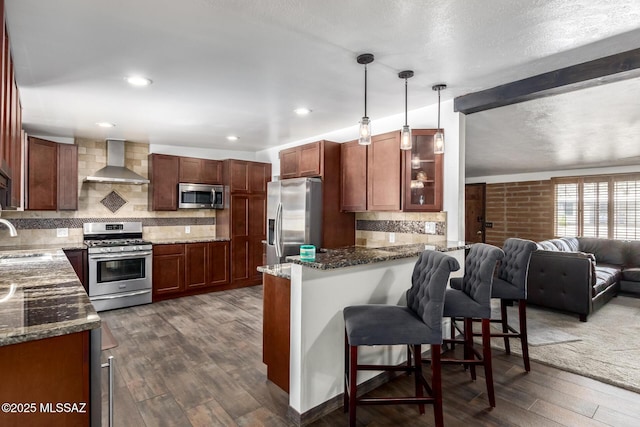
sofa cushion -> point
(606, 275)
(562, 245)
(631, 253)
(547, 245)
(631, 274)
(606, 251)
(572, 243)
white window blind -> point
(595, 204)
(566, 217)
(598, 206)
(626, 211)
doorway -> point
(474, 213)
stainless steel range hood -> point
(115, 172)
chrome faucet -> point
(12, 230)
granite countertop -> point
(358, 255)
(41, 296)
(27, 249)
(278, 270)
(179, 240)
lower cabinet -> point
(78, 260)
(275, 329)
(189, 268)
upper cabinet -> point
(303, 160)
(11, 135)
(200, 171)
(371, 174)
(52, 175)
(381, 177)
(247, 177)
(164, 172)
(422, 174)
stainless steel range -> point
(120, 264)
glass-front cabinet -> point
(422, 174)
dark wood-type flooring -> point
(197, 361)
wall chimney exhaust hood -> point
(115, 172)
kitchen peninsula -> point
(317, 293)
(49, 342)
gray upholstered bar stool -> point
(470, 297)
(420, 322)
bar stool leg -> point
(345, 401)
(522, 313)
(505, 325)
(353, 384)
(468, 345)
(436, 384)
(486, 355)
(417, 357)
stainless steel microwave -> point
(200, 196)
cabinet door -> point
(163, 189)
(195, 265)
(289, 163)
(191, 170)
(218, 263)
(383, 173)
(257, 216)
(211, 172)
(67, 177)
(238, 176)
(239, 215)
(42, 175)
(240, 259)
(168, 269)
(354, 177)
(422, 174)
(259, 175)
(311, 159)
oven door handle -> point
(121, 295)
(123, 255)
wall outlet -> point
(392, 237)
(187, 229)
(62, 232)
(430, 227)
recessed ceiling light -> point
(232, 138)
(302, 111)
(138, 81)
(106, 125)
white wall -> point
(422, 118)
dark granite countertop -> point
(358, 255)
(41, 247)
(179, 240)
(278, 270)
(41, 296)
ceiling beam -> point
(612, 68)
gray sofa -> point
(581, 274)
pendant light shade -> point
(405, 135)
(438, 138)
(365, 124)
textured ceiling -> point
(240, 67)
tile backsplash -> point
(98, 202)
(375, 228)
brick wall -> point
(519, 209)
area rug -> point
(606, 347)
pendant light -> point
(405, 135)
(438, 138)
(365, 124)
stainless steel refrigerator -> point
(294, 217)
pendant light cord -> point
(405, 102)
(365, 90)
(438, 110)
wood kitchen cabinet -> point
(164, 172)
(200, 171)
(52, 175)
(303, 160)
(371, 174)
(276, 336)
(79, 261)
(422, 174)
(322, 159)
(189, 268)
(243, 221)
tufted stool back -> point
(428, 283)
(514, 266)
(479, 267)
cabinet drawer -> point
(177, 249)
